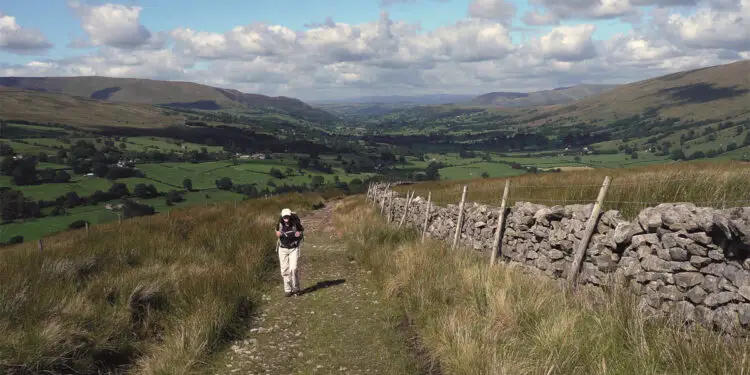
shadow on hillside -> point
(678, 75)
(322, 285)
(105, 94)
(702, 93)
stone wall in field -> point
(687, 262)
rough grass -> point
(477, 320)
(156, 295)
(711, 184)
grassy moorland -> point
(155, 295)
(477, 320)
(713, 184)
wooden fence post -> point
(406, 209)
(383, 198)
(460, 218)
(426, 215)
(40, 245)
(500, 224)
(590, 225)
(86, 224)
(390, 205)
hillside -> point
(711, 93)
(172, 93)
(18, 104)
(563, 95)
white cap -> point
(286, 212)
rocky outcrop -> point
(686, 262)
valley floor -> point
(339, 325)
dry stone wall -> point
(683, 261)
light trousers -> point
(290, 274)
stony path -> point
(338, 326)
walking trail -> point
(338, 325)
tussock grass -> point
(155, 295)
(477, 320)
(709, 184)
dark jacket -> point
(287, 238)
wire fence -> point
(629, 195)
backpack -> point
(294, 220)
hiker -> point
(290, 232)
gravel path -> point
(338, 326)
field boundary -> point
(682, 261)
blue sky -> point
(477, 45)
(59, 23)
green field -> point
(37, 228)
(473, 171)
(165, 145)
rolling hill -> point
(178, 94)
(711, 93)
(45, 107)
(563, 95)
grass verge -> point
(474, 320)
(155, 295)
(711, 184)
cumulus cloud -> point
(567, 43)
(386, 56)
(114, 25)
(499, 10)
(20, 40)
(712, 28)
(556, 10)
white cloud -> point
(499, 10)
(387, 56)
(556, 10)
(113, 25)
(20, 40)
(567, 43)
(714, 29)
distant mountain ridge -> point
(560, 95)
(404, 100)
(179, 94)
(715, 92)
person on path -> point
(290, 233)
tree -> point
(6, 149)
(42, 157)
(145, 191)
(133, 209)
(25, 172)
(119, 190)
(677, 154)
(187, 184)
(72, 200)
(303, 163)
(174, 196)
(276, 173)
(61, 176)
(224, 183)
(8, 165)
(100, 170)
(356, 186)
(317, 182)
(432, 172)
(485, 175)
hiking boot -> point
(288, 294)
(297, 293)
